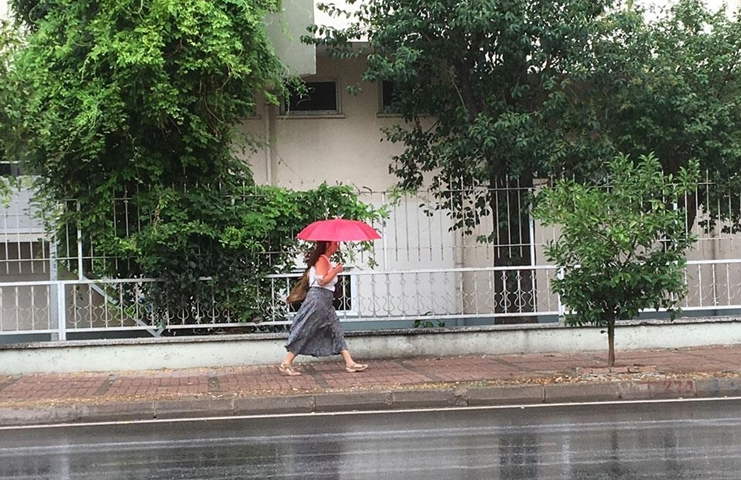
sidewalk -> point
(713, 371)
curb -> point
(367, 400)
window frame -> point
(285, 112)
(383, 109)
(10, 169)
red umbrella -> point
(338, 230)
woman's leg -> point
(286, 368)
(350, 365)
(347, 357)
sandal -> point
(288, 370)
(356, 367)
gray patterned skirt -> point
(316, 330)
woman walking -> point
(316, 330)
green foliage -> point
(233, 237)
(123, 93)
(680, 97)
(622, 242)
(480, 86)
(419, 323)
(11, 41)
(211, 248)
(490, 91)
(126, 116)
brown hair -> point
(319, 250)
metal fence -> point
(426, 274)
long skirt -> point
(316, 330)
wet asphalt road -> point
(685, 440)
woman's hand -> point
(338, 268)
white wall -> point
(324, 19)
(285, 30)
(347, 148)
(308, 150)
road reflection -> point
(518, 455)
(673, 441)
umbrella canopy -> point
(338, 230)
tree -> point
(121, 94)
(127, 120)
(478, 86)
(680, 97)
(236, 237)
(622, 242)
(492, 94)
(10, 42)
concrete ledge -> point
(109, 412)
(351, 401)
(427, 398)
(660, 389)
(664, 389)
(273, 405)
(38, 415)
(370, 400)
(505, 395)
(195, 407)
(718, 387)
(261, 349)
(582, 392)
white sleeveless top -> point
(314, 278)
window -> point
(316, 98)
(9, 169)
(386, 98)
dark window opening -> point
(315, 97)
(9, 169)
(388, 98)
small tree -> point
(622, 242)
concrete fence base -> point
(257, 349)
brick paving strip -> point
(8, 381)
(389, 383)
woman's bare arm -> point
(324, 272)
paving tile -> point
(325, 386)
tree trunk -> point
(611, 343)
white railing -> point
(427, 274)
(374, 299)
(459, 296)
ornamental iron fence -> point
(423, 272)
